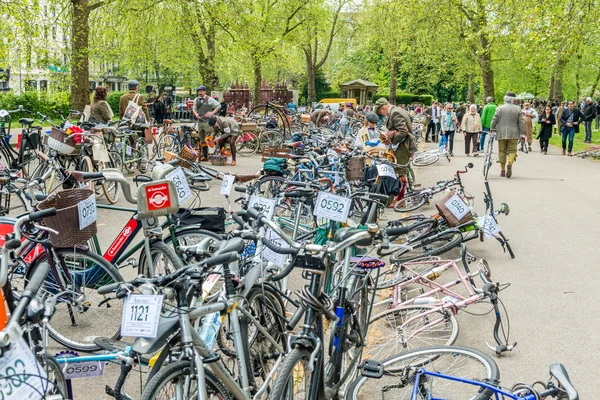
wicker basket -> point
(66, 220)
(61, 142)
(187, 154)
(305, 118)
(450, 218)
(218, 159)
(248, 127)
(354, 168)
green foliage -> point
(328, 95)
(50, 104)
(405, 98)
(113, 101)
(321, 84)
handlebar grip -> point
(142, 179)
(293, 194)
(92, 175)
(106, 289)
(222, 259)
(240, 189)
(461, 172)
(12, 244)
(397, 230)
(49, 212)
(279, 249)
(253, 213)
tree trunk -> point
(310, 77)
(485, 63)
(257, 82)
(393, 83)
(551, 88)
(558, 78)
(471, 90)
(80, 74)
(577, 80)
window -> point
(54, 33)
(43, 85)
(31, 84)
(370, 95)
(357, 94)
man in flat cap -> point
(204, 108)
(509, 126)
(133, 86)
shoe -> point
(233, 163)
(570, 154)
(545, 153)
(427, 141)
(509, 170)
(203, 159)
(564, 152)
(475, 154)
(502, 174)
(451, 154)
(529, 148)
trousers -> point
(507, 150)
(471, 137)
(568, 133)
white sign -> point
(23, 378)
(177, 176)
(488, 225)
(87, 369)
(269, 254)
(457, 206)
(267, 205)
(87, 212)
(227, 184)
(332, 207)
(128, 150)
(386, 170)
(140, 315)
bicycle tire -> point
(169, 143)
(269, 186)
(425, 159)
(189, 236)
(247, 144)
(13, 203)
(270, 139)
(296, 360)
(446, 241)
(87, 165)
(390, 332)
(98, 272)
(164, 259)
(177, 371)
(505, 242)
(419, 232)
(410, 202)
(110, 189)
(422, 358)
(53, 369)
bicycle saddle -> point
(139, 127)
(187, 127)
(227, 246)
(559, 372)
(345, 233)
(26, 121)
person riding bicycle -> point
(204, 108)
(228, 130)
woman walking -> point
(471, 126)
(547, 121)
(449, 125)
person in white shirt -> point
(529, 116)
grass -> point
(578, 145)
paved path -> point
(552, 300)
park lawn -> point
(578, 145)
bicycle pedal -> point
(371, 369)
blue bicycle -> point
(448, 372)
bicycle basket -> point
(354, 168)
(66, 220)
(447, 213)
(59, 141)
(187, 154)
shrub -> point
(406, 98)
(50, 104)
(113, 101)
(328, 95)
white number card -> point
(457, 206)
(267, 205)
(488, 225)
(87, 212)
(386, 170)
(181, 184)
(332, 206)
(227, 184)
(23, 376)
(140, 315)
(87, 369)
(128, 150)
(269, 254)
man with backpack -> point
(135, 97)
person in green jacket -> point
(486, 120)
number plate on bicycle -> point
(333, 207)
(488, 225)
(386, 170)
(87, 211)
(26, 377)
(457, 206)
(140, 315)
(267, 205)
(87, 369)
(227, 184)
(177, 176)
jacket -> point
(427, 114)
(546, 129)
(399, 121)
(508, 122)
(100, 112)
(589, 112)
(227, 127)
(487, 114)
(160, 111)
(471, 123)
(577, 117)
(444, 121)
(461, 111)
(126, 98)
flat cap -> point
(133, 84)
(382, 101)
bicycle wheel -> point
(143, 155)
(271, 139)
(410, 203)
(177, 381)
(269, 187)
(12, 201)
(247, 144)
(294, 377)
(395, 275)
(425, 159)
(56, 378)
(420, 231)
(434, 245)
(82, 314)
(459, 362)
(189, 236)
(169, 143)
(87, 165)
(110, 189)
(407, 328)
(164, 260)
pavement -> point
(553, 228)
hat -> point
(511, 94)
(132, 84)
(212, 121)
(382, 101)
(372, 118)
(201, 88)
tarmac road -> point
(553, 228)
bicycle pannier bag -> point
(209, 218)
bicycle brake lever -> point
(45, 229)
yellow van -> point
(334, 104)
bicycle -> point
(487, 164)
(24, 158)
(133, 151)
(523, 146)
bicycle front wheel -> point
(410, 203)
(164, 260)
(247, 144)
(425, 159)
(168, 143)
(429, 246)
(294, 378)
(458, 362)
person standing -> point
(160, 109)
(461, 110)
(546, 121)
(471, 126)
(597, 105)
(570, 120)
(589, 114)
(124, 100)
(528, 118)
(228, 130)
(100, 110)
(561, 108)
(169, 106)
(487, 114)
(509, 126)
(319, 117)
(428, 113)
(449, 125)
(204, 108)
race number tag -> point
(140, 315)
(86, 369)
(386, 170)
(457, 207)
(488, 225)
(25, 377)
(269, 254)
(87, 212)
(333, 207)
(227, 184)
(181, 184)
(267, 205)
(128, 150)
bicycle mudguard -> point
(167, 325)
